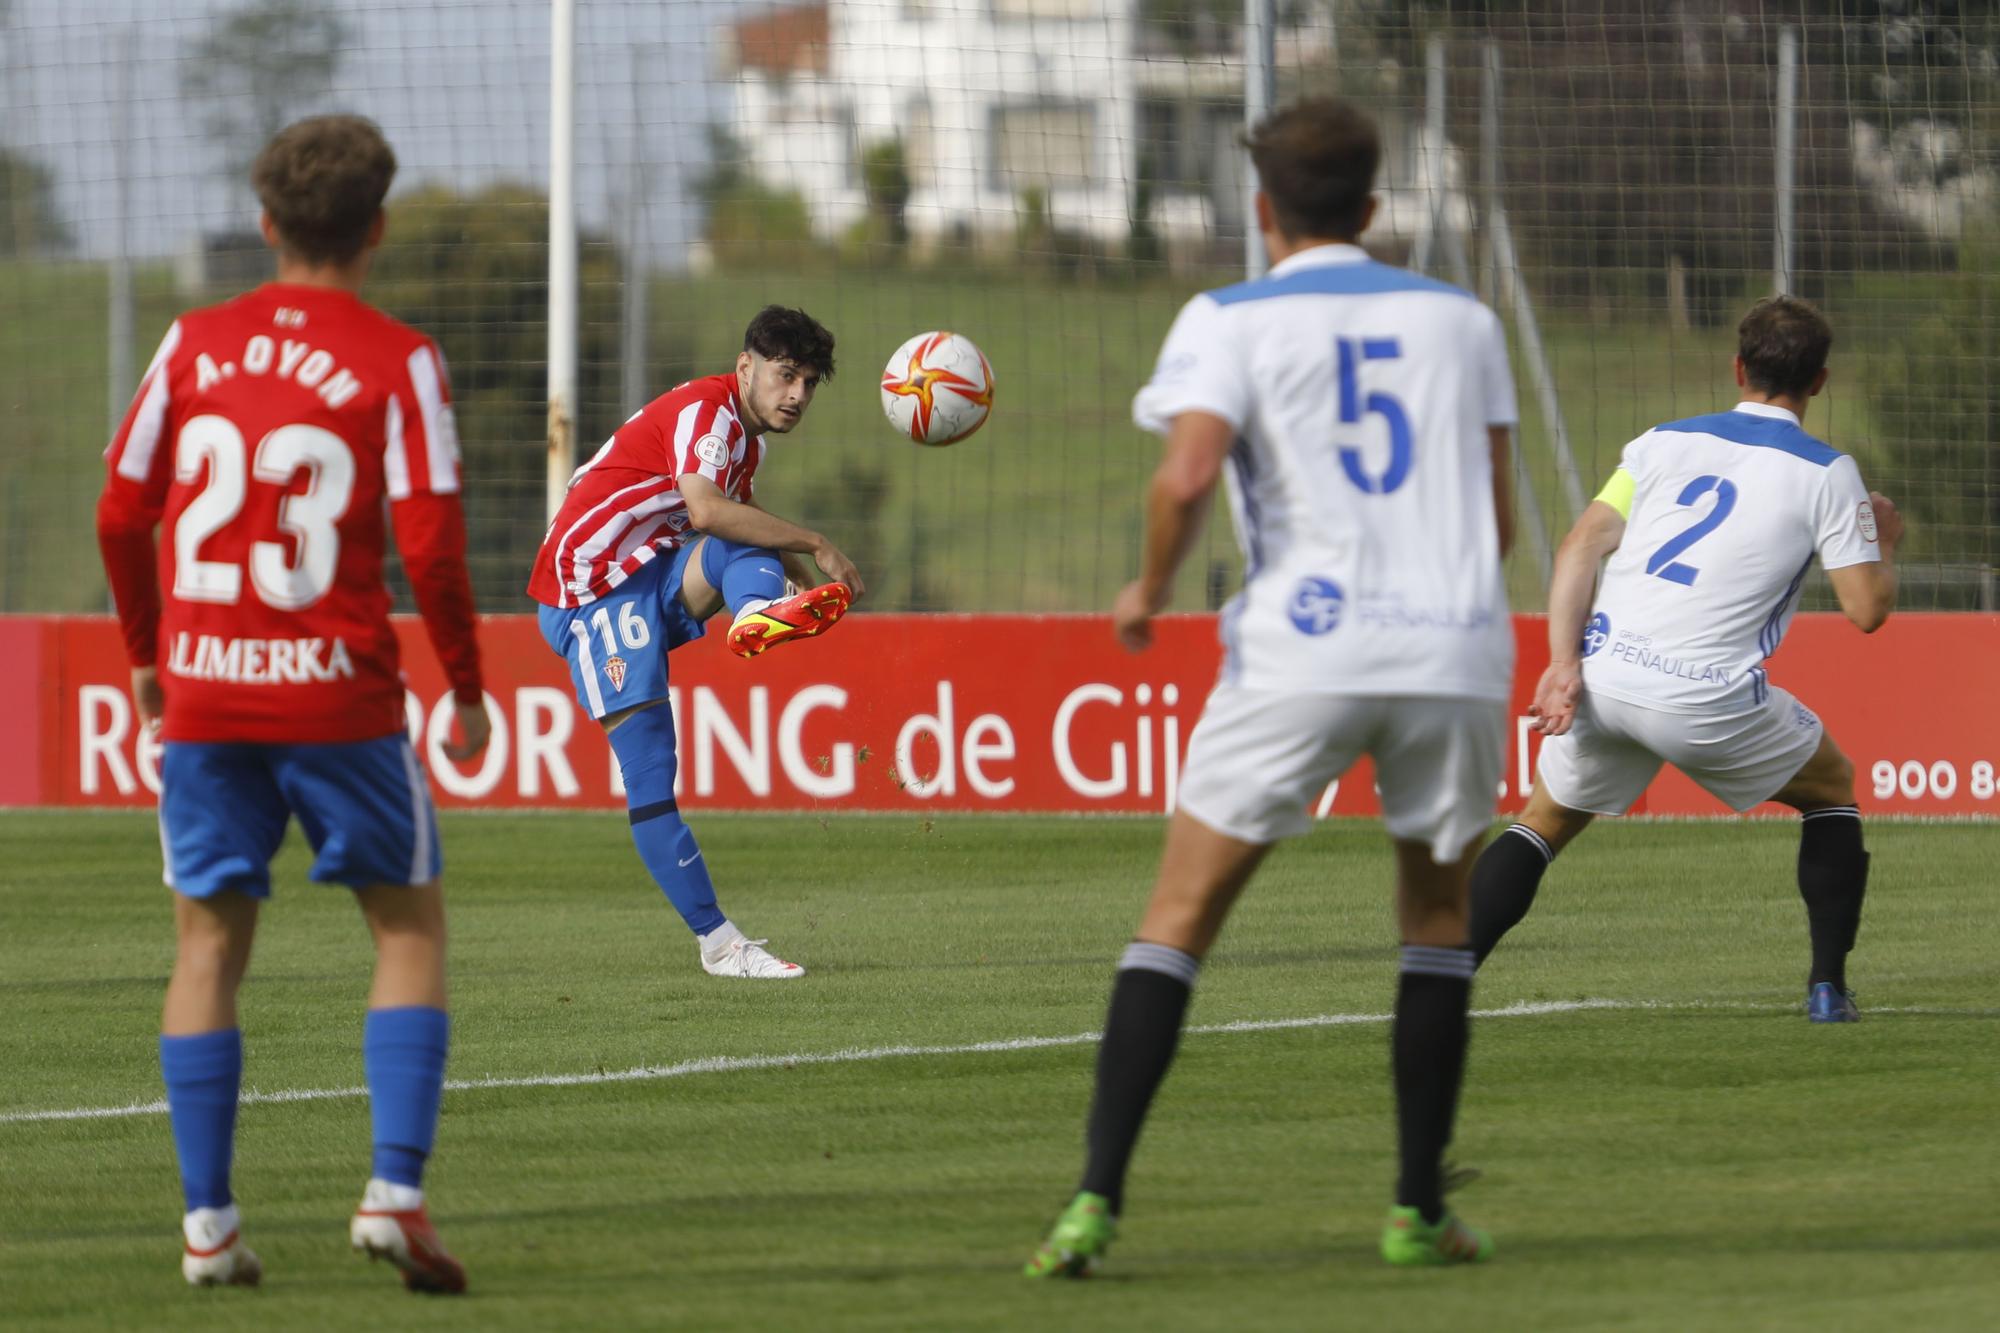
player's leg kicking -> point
(617, 648)
(366, 812)
(1603, 765)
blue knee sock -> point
(202, 1073)
(644, 744)
(403, 1051)
(743, 573)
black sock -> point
(1148, 1001)
(1504, 880)
(1833, 876)
(1427, 1054)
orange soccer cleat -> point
(799, 616)
(406, 1238)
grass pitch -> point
(1700, 1157)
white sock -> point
(386, 1196)
(207, 1228)
(716, 943)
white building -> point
(995, 102)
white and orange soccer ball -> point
(937, 388)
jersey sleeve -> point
(1845, 521)
(421, 452)
(138, 469)
(1618, 492)
(706, 440)
(1496, 377)
(1198, 371)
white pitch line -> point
(729, 1064)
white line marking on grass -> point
(733, 1064)
(729, 1064)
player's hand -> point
(839, 569)
(1556, 695)
(1888, 520)
(1132, 616)
(474, 730)
(148, 698)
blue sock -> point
(743, 573)
(403, 1051)
(644, 744)
(203, 1073)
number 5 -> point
(1353, 407)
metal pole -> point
(632, 395)
(1786, 146)
(119, 379)
(1489, 168)
(562, 251)
(1260, 93)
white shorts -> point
(1259, 758)
(1603, 763)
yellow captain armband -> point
(1618, 493)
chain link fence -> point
(1049, 177)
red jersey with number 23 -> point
(273, 441)
(625, 509)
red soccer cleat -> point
(799, 616)
(406, 1238)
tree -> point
(1635, 134)
(258, 69)
(29, 222)
(747, 222)
(472, 271)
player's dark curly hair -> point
(1316, 159)
(323, 180)
(779, 333)
(1783, 342)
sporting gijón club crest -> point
(614, 671)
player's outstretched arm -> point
(711, 511)
(1177, 504)
(1867, 591)
(1572, 586)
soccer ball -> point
(937, 388)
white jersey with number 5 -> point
(1361, 480)
(1724, 514)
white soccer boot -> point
(725, 953)
(213, 1254)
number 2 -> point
(1662, 563)
(1353, 408)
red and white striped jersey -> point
(625, 509)
(273, 440)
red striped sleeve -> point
(705, 436)
(420, 456)
(138, 470)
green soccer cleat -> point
(1081, 1236)
(1408, 1243)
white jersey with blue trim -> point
(1361, 480)
(1727, 513)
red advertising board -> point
(1019, 713)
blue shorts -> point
(365, 807)
(617, 646)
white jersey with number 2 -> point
(1361, 480)
(1724, 514)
